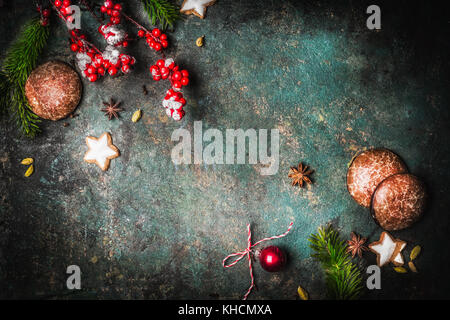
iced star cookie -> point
(197, 7)
(388, 250)
(101, 150)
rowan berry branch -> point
(84, 41)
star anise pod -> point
(356, 245)
(300, 175)
(112, 109)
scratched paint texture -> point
(148, 229)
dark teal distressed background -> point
(149, 229)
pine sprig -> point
(161, 12)
(343, 278)
(20, 60)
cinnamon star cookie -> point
(388, 250)
(197, 7)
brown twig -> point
(135, 23)
(86, 4)
(139, 26)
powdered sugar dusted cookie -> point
(101, 150)
(397, 258)
(388, 250)
(197, 7)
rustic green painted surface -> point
(149, 229)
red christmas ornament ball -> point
(272, 259)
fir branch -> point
(26, 120)
(20, 60)
(161, 12)
(343, 278)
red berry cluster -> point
(77, 42)
(155, 39)
(93, 64)
(112, 10)
(167, 69)
(174, 103)
(174, 100)
(113, 35)
(64, 10)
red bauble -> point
(272, 259)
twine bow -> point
(247, 253)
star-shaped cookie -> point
(397, 258)
(101, 150)
(197, 7)
(388, 250)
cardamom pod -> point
(199, 42)
(302, 293)
(412, 267)
(415, 252)
(27, 161)
(400, 270)
(136, 115)
(29, 171)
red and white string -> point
(247, 253)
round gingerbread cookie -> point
(368, 169)
(398, 201)
(53, 90)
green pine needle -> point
(343, 278)
(20, 60)
(161, 12)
